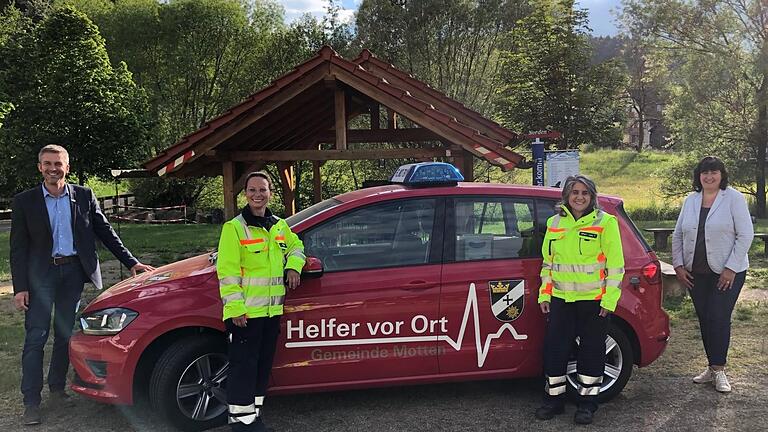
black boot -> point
(548, 411)
(583, 416)
(259, 426)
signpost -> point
(537, 148)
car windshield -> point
(311, 211)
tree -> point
(451, 45)
(720, 79)
(549, 82)
(65, 91)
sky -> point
(601, 18)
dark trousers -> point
(714, 308)
(251, 352)
(57, 291)
(566, 321)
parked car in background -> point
(427, 280)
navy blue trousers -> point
(251, 352)
(57, 291)
(565, 322)
(714, 309)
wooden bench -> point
(660, 236)
(764, 238)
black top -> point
(700, 263)
(266, 221)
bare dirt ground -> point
(660, 397)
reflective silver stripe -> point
(258, 400)
(244, 224)
(578, 286)
(264, 301)
(578, 268)
(245, 414)
(257, 301)
(614, 270)
(589, 380)
(612, 283)
(555, 221)
(589, 391)
(262, 281)
(554, 390)
(598, 218)
(230, 280)
(298, 253)
(232, 297)
(556, 379)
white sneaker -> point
(704, 377)
(721, 381)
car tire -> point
(619, 361)
(188, 381)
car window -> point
(493, 228)
(395, 233)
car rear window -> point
(623, 214)
(311, 211)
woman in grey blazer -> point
(709, 252)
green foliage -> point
(452, 45)
(65, 90)
(719, 100)
(548, 82)
(203, 193)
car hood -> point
(201, 265)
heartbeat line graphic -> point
(471, 307)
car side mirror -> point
(313, 268)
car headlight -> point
(107, 321)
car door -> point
(369, 316)
(489, 285)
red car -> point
(404, 284)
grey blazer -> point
(728, 231)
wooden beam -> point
(341, 119)
(285, 169)
(391, 119)
(375, 116)
(230, 202)
(263, 108)
(382, 135)
(409, 111)
(324, 155)
(249, 168)
(466, 165)
(317, 183)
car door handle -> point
(419, 285)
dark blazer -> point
(32, 239)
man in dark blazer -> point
(53, 253)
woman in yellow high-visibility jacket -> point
(580, 285)
(258, 257)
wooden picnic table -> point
(660, 236)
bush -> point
(654, 212)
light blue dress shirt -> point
(60, 218)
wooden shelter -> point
(312, 105)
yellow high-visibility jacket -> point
(583, 259)
(250, 265)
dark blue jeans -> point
(57, 291)
(714, 308)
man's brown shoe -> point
(32, 415)
(60, 399)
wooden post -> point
(317, 184)
(375, 120)
(391, 119)
(289, 194)
(341, 120)
(230, 203)
(463, 160)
